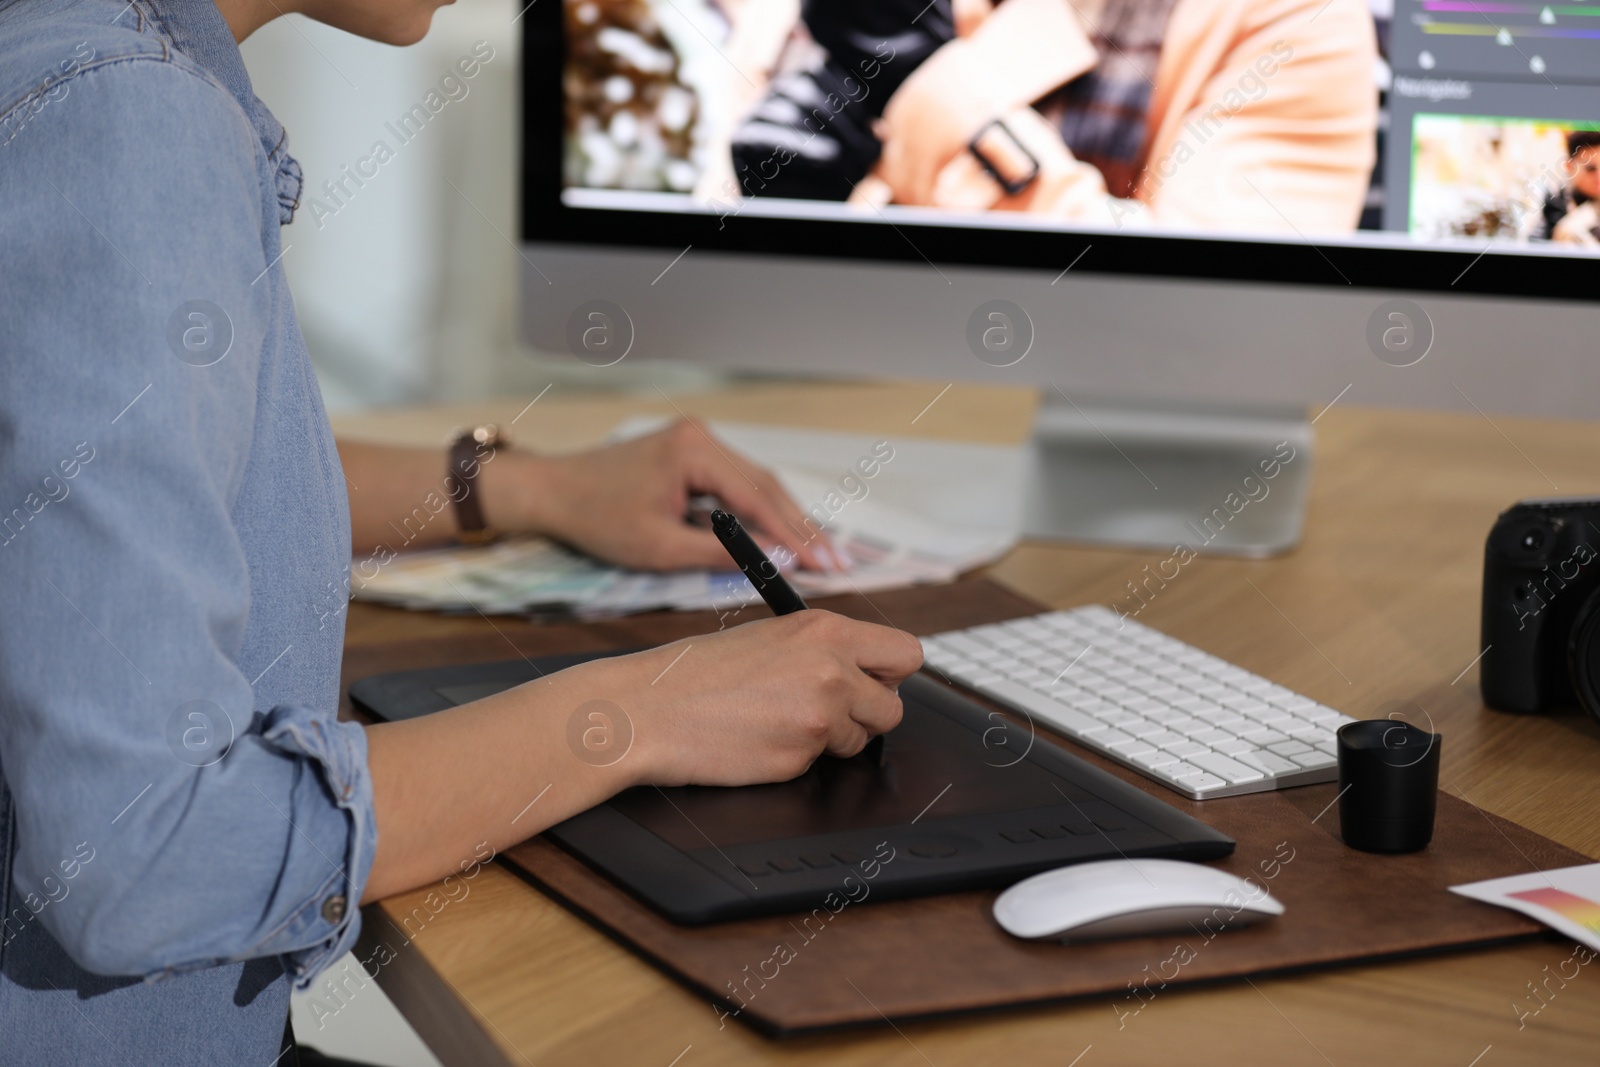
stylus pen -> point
(762, 572)
(774, 589)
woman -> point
(1252, 116)
(184, 826)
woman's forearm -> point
(497, 770)
(405, 497)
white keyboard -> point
(1195, 723)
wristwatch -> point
(465, 451)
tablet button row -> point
(755, 869)
(1077, 826)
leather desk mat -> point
(945, 955)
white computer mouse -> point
(1124, 898)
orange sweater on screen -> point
(1263, 119)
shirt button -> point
(333, 909)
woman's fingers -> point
(890, 656)
(756, 496)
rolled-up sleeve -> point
(216, 829)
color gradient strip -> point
(1581, 910)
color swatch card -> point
(1567, 899)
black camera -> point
(1541, 607)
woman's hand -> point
(625, 503)
(757, 703)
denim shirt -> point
(185, 827)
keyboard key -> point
(1051, 711)
(1234, 747)
(1262, 712)
(1154, 759)
(1313, 759)
(965, 645)
(1027, 628)
(1181, 770)
(995, 636)
(1211, 712)
(1203, 782)
(1269, 762)
(1212, 736)
(1137, 749)
(1290, 748)
(1186, 748)
(1224, 767)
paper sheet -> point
(1567, 899)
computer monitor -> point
(1193, 222)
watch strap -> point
(465, 465)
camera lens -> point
(1583, 655)
(1533, 539)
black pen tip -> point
(721, 520)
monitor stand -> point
(1220, 480)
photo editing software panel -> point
(1452, 124)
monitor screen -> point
(1332, 125)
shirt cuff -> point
(327, 924)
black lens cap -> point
(1388, 785)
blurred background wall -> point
(406, 283)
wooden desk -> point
(1379, 604)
